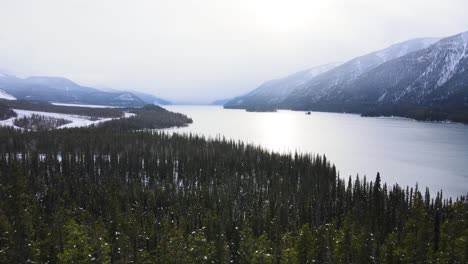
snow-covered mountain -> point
(274, 91)
(425, 79)
(62, 90)
(313, 84)
(146, 97)
(437, 75)
(149, 98)
(4, 95)
(340, 77)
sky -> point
(199, 51)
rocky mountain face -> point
(437, 75)
(317, 82)
(425, 79)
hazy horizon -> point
(200, 52)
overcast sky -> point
(204, 50)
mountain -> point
(437, 75)
(425, 79)
(336, 79)
(428, 84)
(149, 98)
(303, 88)
(4, 95)
(221, 101)
(146, 97)
(274, 91)
(61, 90)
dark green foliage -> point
(418, 112)
(38, 122)
(151, 108)
(261, 108)
(100, 196)
(71, 110)
(148, 117)
(421, 113)
(6, 112)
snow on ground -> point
(127, 115)
(77, 121)
(125, 97)
(4, 95)
(85, 105)
(8, 122)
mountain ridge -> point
(63, 90)
(428, 82)
(273, 91)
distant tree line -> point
(148, 117)
(261, 108)
(102, 196)
(418, 112)
(6, 112)
(421, 113)
(62, 109)
(39, 122)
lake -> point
(402, 150)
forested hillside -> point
(38, 122)
(72, 110)
(99, 196)
(148, 117)
(5, 111)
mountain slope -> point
(297, 92)
(146, 97)
(424, 79)
(221, 101)
(428, 84)
(437, 75)
(149, 98)
(57, 89)
(338, 78)
(274, 91)
(4, 95)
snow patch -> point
(8, 122)
(125, 97)
(4, 95)
(464, 37)
(127, 115)
(451, 62)
(381, 98)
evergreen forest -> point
(104, 195)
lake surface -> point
(402, 150)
